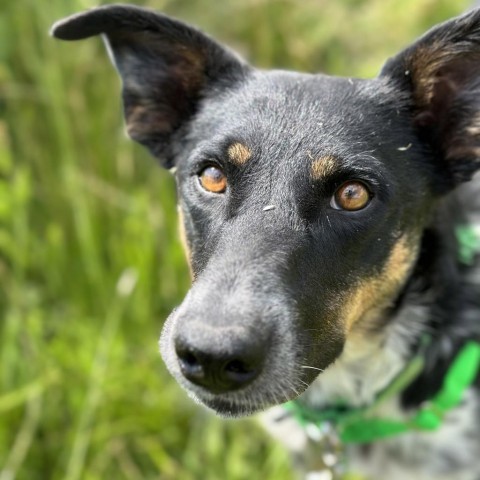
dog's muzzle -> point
(229, 357)
(238, 341)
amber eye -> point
(212, 179)
(351, 196)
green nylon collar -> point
(360, 426)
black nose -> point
(221, 365)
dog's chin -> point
(234, 405)
(227, 408)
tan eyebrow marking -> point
(323, 167)
(239, 154)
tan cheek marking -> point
(239, 154)
(183, 239)
(323, 167)
(371, 296)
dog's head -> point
(303, 198)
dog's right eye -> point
(212, 179)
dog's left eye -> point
(212, 179)
(351, 196)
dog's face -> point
(301, 222)
(303, 198)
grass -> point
(90, 262)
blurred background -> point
(90, 261)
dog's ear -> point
(166, 67)
(441, 73)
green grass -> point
(90, 262)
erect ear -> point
(441, 71)
(167, 67)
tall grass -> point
(90, 262)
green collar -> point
(359, 425)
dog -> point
(331, 227)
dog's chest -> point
(451, 453)
(365, 368)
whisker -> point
(284, 393)
(292, 387)
(313, 368)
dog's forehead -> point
(313, 119)
(292, 104)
